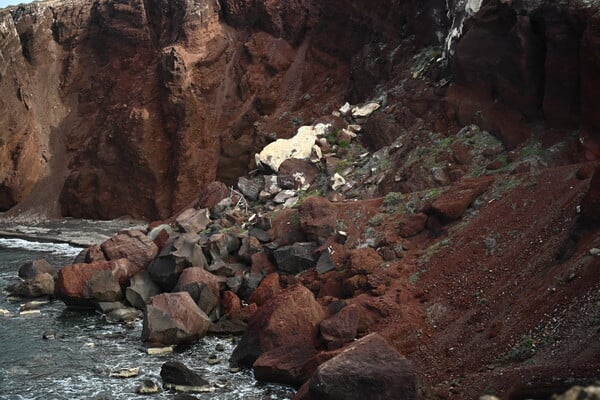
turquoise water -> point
(77, 364)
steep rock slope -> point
(129, 107)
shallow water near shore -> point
(77, 364)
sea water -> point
(77, 363)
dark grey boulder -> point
(176, 373)
(296, 257)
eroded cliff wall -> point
(129, 107)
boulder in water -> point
(84, 285)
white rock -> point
(594, 251)
(125, 373)
(30, 313)
(345, 109)
(190, 389)
(300, 146)
(156, 351)
(354, 128)
(271, 185)
(365, 111)
(337, 181)
(5, 313)
(316, 155)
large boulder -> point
(39, 285)
(35, 267)
(368, 369)
(86, 284)
(176, 375)
(133, 245)
(202, 286)
(174, 318)
(141, 288)
(300, 146)
(290, 318)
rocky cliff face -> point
(130, 107)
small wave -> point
(60, 249)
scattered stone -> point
(296, 257)
(595, 252)
(290, 318)
(49, 334)
(283, 196)
(213, 359)
(345, 109)
(5, 313)
(147, 387)
(251, 188)
(125, 373)
(355, 128)
(365, 111)
(234, 370)
(286, 182)
(158, 351)
(192, 220)
(107, 306)
(125, 315)
(30, 313)
(260, 234)
(368, 366)
(337, 181)
(174, 318)
(177, 376)
(234, 283)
